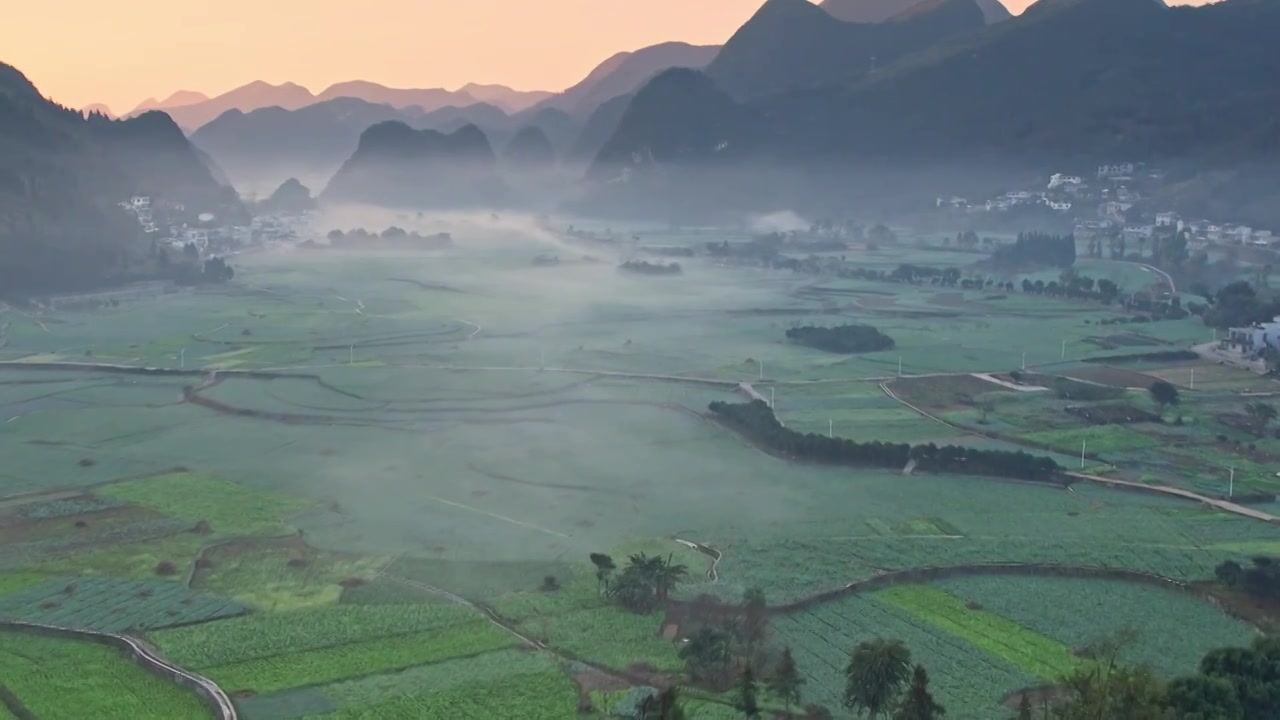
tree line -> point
(647, 268)
(841, 339)
(1033, 248)
(757, 420)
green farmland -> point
(368, 486)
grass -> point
(530, 695)
(1101, 439)
(1026, 649)
(268, 635)
(111, 605)
(491, 667)
(607, 635)
(229, 508)
(61, 678)
(278, 578)
(336, 662)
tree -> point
(707, 654)
(876, 673)
(604, 566)
(1163, 393)
(748, 702)
(755, 615)
(919, 703)
(662, 706)
(1202, 696)
(786, 681)
(1024, 707)
(1260, 413)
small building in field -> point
(1256, 337)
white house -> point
(1166, 219)
(1119, 170)
(139, 202)
(1213, 232)
(1138, 232)
(1059, 206)
(1256, 336)
(1242, 234)
(953, 202)
(1058, 179)
(198, 236)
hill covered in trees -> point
(62, 175)
(1101, 90)
(842, 339)
(397, 166)
(793, 44)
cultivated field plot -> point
(60, 678)
(111, 605)
(344, 443)
(1171, 630)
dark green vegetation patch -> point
(110, 605)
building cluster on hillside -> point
(172, 226)
(1113, 203)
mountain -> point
(792, 44)
(267, 144)
(427, 99)
(625, 72)
(559, 127)
(530, 148)
(255, 95)
(1070, 83)
(512, 101)
(100, 108)
(178, 99)
(62, 177)
(291, 198)
(395, 165)
(874, 11)
(597, 130)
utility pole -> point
(351, 355)
(899, 366)
(1064, 348)
(1024, 359)
(771, 398)
(830, 428)
(1231, 484)
(762, 370)
(1193, 378)
(182, 358)
(1082, 446)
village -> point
(1114, 206)
(173, 227)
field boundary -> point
(141, 654)
(930, 573)
(10, 700)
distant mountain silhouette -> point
(62, 175)
(1204, 95)
(255, 95)
(874, 11)
(397, 166)
(100, 108)
(625, 72)
(427, 99)
(178, 99)
(793, 44)
(292, 197)
(511, 101)
(530, 148)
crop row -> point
(62, 678)
(112, 605)
(26, 553)
(966, 679)
(485, 668)
(1038, 655)
(330, 664)
(270, 634)
(532, 695)
(67, 507)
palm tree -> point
(604, 566)
(754, 617)
(661, 572)
(786, 681)
(919, 703)
(876, 673)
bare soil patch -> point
(1123, 340)
(1116, 377)
(948, 299)
(1112, 414)
(942, 391)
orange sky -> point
(85, 51)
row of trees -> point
(1032, 248)
(648, 268)
(1261, 578)
(1238, 305)
(644, 584)
(756, 419)
(841, 339)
